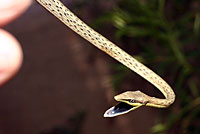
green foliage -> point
(167, 33)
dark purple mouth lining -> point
(119, 109)
(122, 107)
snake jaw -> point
(120, 109)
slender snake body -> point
(130, 100)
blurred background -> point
(65, 84)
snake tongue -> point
(119, 109)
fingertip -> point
(10, 56)
(11, 9)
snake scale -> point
(129, 100)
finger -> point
(10, 9)
(10, 56)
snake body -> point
(130, 100)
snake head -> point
(133, 98)
(129, 101)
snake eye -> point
(132, 101)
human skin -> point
(10, 50)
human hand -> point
(10, 50)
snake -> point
(129, 100)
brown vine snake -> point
(129, 100)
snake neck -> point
(162, 103)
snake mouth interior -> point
(119, 109)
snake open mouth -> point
(119, 109)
